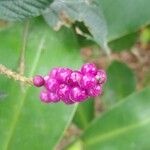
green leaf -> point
(125, 16)
(126, 126)
(146, 80)
(84, 114)
(67, 12)
(25, 122)
(121, 82)
(21, 9)
(123, 43)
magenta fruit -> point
(63, 75)
(63, 91)
(77, 94)
(38, 81)
(53, 97)
(44, 96)
(101, 76)
(95, 91)
(89, 69)
(74, 78)
(52, 85)
(63, 84)
(54, 72)
(88, 81)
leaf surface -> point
(126, 126)
(25, 122)
(14, 10)
(121, 82)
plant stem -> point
(22, 52)
(14, 75)
(23, 48)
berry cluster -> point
(64, 84)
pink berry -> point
(52, 85)
(63, 91)
(89, 68)
(54, 72)
(38, 81)
(44, 96)
(95, 91)
(53, 97)
(63, 75)
(74, 78)
(88, 81)
(77, 94)
(101, 76)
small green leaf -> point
(25, 122)
(126, 126)
(121, 82)
(84, 114)
(14, 10)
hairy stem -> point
(22, 53)
(14, 75)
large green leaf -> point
(64, 12)
(124, 16)
(121, 82)
(20, 9)
(84, 114)
(25, 122)
(126, 126)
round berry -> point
(63, 91)
(88, 81)
(63, 75)
(95, 91)
(38, 81)
(52, 85)
(44, 96)
(74, 78)
(54, 72)
(77, 94)
(89, 68)
(53, 97)
(101, 76)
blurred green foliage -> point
(25, 123)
